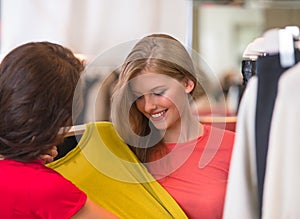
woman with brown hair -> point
(37, 85)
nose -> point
(149, 103)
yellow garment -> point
(105, 168)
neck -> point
(187, 129)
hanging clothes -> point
(282, 179)
(258, 115)
(250, 154)
(268, 71)
(104, 167)
(241, 199)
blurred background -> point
(218, 30)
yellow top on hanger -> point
(104, 167)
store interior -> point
(216, 32)
(248, 52)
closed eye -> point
(159, 93)
(137, 96)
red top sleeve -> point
(56, 197)
(31, 190)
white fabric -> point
(241, 199)
(89, 26)
(281, 196)
(282, 179)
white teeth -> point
(157, 115)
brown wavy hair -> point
(37, 84)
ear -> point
(188, 85)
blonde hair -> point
(159, 53)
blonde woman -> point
(152, 112)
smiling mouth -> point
(158, 115)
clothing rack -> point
(76, 130)
(265, 155)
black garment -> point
(248, 70)
(268, 71)
(68, 144)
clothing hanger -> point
(295, 31)
(286, 48)
(254, 49)
(261, 46)
(76, 130)
(275, 41)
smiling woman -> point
(152, 111)
(161, 99)
(152, 55)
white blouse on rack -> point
(282, 179)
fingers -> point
(53, 152)
(49, 155)
(46, 158)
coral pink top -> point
(195, 173)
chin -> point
(160, 125)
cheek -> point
(177, 99)
(168, 101)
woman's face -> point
(160, 98)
